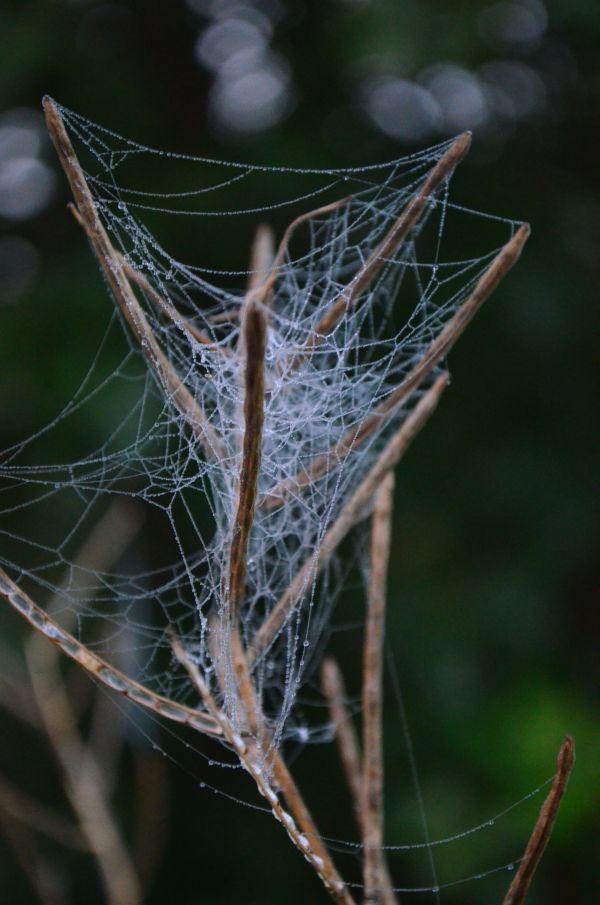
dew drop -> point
(510, 866)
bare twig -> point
(108, 675)
(372, 697)
(113, 270)
(543, 828)
(252, 759)
(332, 684)
(253, 355)
(253, 346)
(350, 514)
(435, 352)
(264, 290)
(262, 256)
(399, 231)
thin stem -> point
(543, 828)
(251, 759)
(97, 667)
(432, 356)
(254, 346)
(352, 512)
(332, 684)
(265, 289)
(253, 338)
(396, 235)
(113, 270)
(372, 696)
(262, 256)
(165, 305)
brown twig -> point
(435, 352)
(165, 305)
(543, 828)
(262, 256)
(396, 235)
(252, 759)
(114, 273)
(97, 667)
(252, 355)
(263, 291)
(372, 696)
(332, 684)
(350, 514)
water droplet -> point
(57, 486)
(306, 644)
(122, 206)
(510, 866)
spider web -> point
(151, 462)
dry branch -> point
(348, 517)
(252, 355)
(97, 667)
(300, 830)
(332, 684)
(374, 870)
(543, 828)
(432, 356)
(113, 269)
(262, 256)
(396, 235)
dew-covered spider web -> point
(170, 454)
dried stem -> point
(332, 684)
(169, 309)
(397, 234)
(165, 305)
(113, 270)
(262, 256)
(435, 352)
(264, 290)
(543, 827)
(252, 759)
(372, 696)
(108, 675)
(253, 339)
(352, 512)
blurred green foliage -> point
(492, 619)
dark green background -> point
(492, 619)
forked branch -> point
(300, 827)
